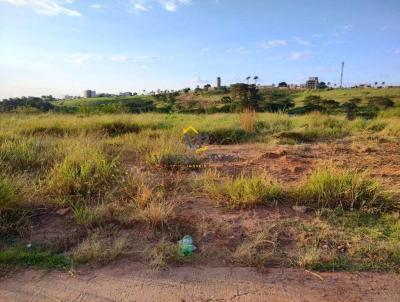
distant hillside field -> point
(211, 97)
(343, 95)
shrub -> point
(332, 188)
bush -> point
(332, 188)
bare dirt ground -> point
(134, 282)
(289, 163)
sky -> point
(63, 47)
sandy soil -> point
(125, 281)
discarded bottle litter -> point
(186, 246)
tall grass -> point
(85, 170)
(248, 120)
(333, 188)
(243, 191)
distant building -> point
(218, 82)
(125, 94)
(89, 94)
(312, 83)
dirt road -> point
(126, 281)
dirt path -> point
(133, 282)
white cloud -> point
(97, 6)
(81, 59)
(273, 43)
(140, 5)
(47, 7)
(134, 59)
(397, 51)
(296, 56)
(168, 5)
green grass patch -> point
(32, 257)
(333, 188)
(244, 191)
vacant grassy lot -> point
(307, 191)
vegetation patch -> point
(244, 192)
(85, 171)
(333, 188)
(101, 246)
(223, 136)
(24, 256)
(118, 128)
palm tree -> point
(383, 83)
(248, 79)
(255, 79)
(329, 84)
(376, 84)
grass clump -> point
(334, 188)
(163, 254)
(248, 120)
(244, 191)
(85, 171)
(115, 128)
(27, 155)
(100, 247)
(23, 256)
(8, 192)
(227, 136)
(260, 249)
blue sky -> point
(65, 46)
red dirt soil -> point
(125, 281)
